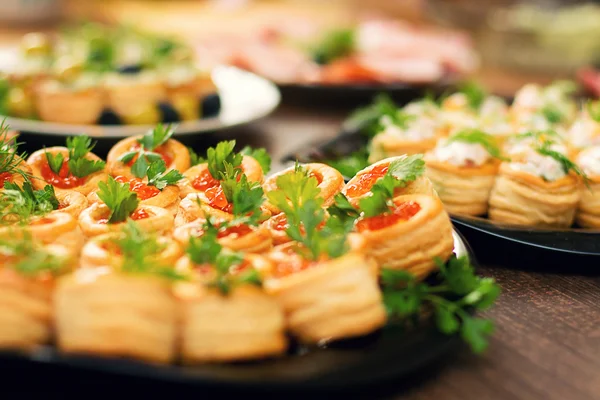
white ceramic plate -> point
(245, 97)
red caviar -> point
(64, 179)
(204, 181)
(139, 214)
(216, 199)
(403, 212)
(5, 177)
(239, 230)
(136, 185)
(365, 182)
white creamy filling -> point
(584, 132)
(528, 97)
(543, 166)
(589, 161)
(493, 107)
(421, 109)
(461, 154)
(416, 130)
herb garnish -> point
(206, 250)
(333, 45)
(368, 119)
(30, 259)
(245, 196)
(139, 250)
(545, 149)
(458, 290)
(475, 136)
(159, 177)
(79, 166)
(146, 155)
(298, 197)
(593, 109)
(20, 204)
(222, 156)
(474, 93)
(118, 198)
(10, 159)
(353, 163)
(195, 158)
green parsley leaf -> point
(220, 155)
(79, 165)
(333, 45)
(195, 159)
(156, 137)
(457, 291)
(342, 209)
(298, 197)
(159, 178)
(552, 113)
(406, 169)
(55, 161)
(260, 155)
(118, 198)
(475, 136)
(367, 119)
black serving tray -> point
(394, 352)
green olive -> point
(36, 44)
(187, 107)
(19, 104)
(143, 115)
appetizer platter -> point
(509, 170)
(187, 264)
(119, 81)
(354, 57)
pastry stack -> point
(160, 255)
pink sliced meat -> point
(411, 70)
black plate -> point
(353, 95)
(581, 242)
(393, 352)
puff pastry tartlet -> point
(26, 293)
(588, 209)
(47, 167)
(125, 153)
(463, 171)
(535, 190)
(360, 185)
(12, 166)
(329, 182)
(232, 321)
(328, 299)
(128, 94)
(115, 314)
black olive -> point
(168, 113)
(109, 117)
(210, 106)
(130, 69)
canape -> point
(79, 101)
(73, 167)
(119, 204)
(12, 166)
(128, 94)
(415, 182)
(140, 151)
(538, 187)
(27, 276)
(329, 181)
(462, 170)
(226, 316)
(588, 209)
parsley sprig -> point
(118, 198)
(139, 250)
(476, 136)
(146, 155)
(351, 164)
(30, 260)
(206, 250)
(457, 291)
(19, 204)
(159, 177)
(245, 196)
(298, 197)
(222, 156)
(79, 165)
(195, 158)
